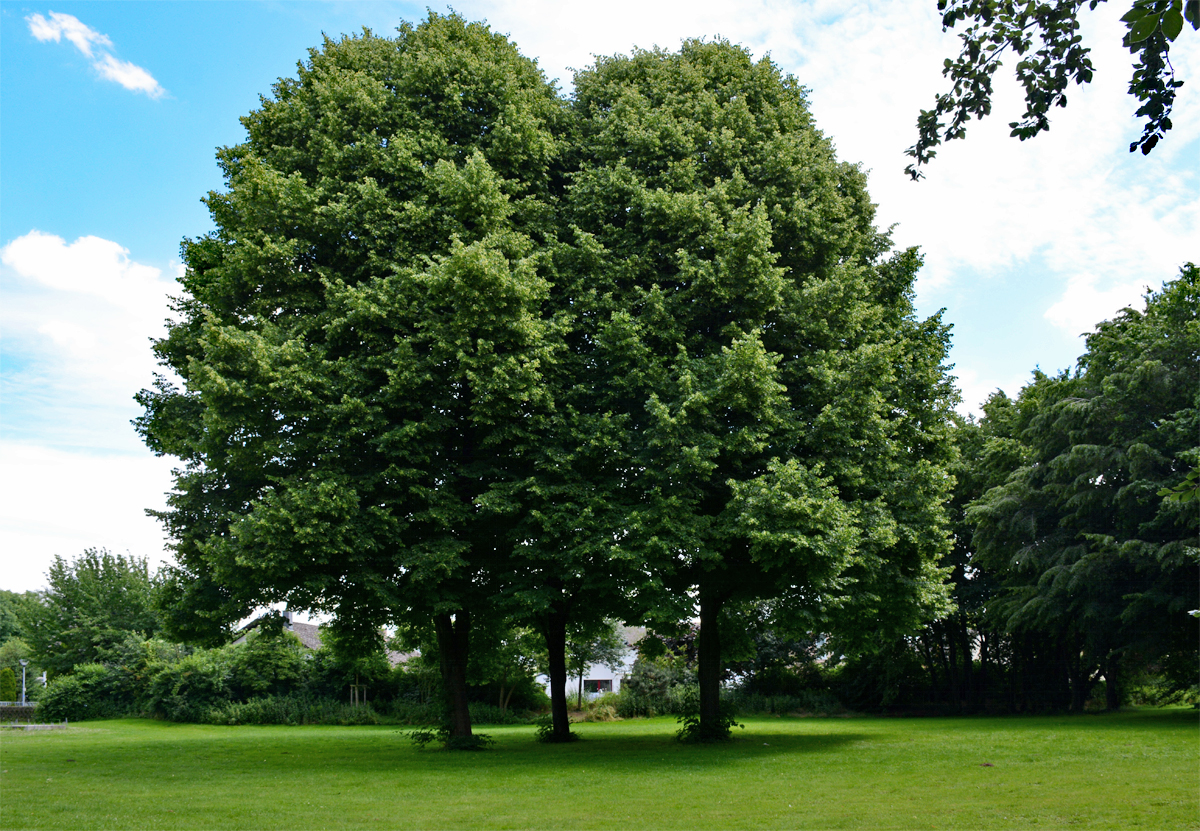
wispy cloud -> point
(68, 26)
(94, 46)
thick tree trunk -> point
(710, 668)
(453, 638)
(556, 651)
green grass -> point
(1129, 770)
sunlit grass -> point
(1130, 770)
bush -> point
(91, 691)
(291, 709)
(8, 684)
(816, 702)
(415, 712)
(890, 678)
(268, 663)
(187, 689)
(692, 730)
(482, 713)
(603, 708)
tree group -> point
(463, 352)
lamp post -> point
(24, 663)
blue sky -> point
(112, 112)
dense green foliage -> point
(463, 352)
(362, 341)
(1073, 570)
(8, 684)
(786, 413)
(90, 606)
(1044, 36)
(267, 678)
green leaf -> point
(1136, 13)
(1191, 13)
(1143, 28)
(1172, 24)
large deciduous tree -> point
(784, 413)
(362, 342)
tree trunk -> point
(955, 682)
(968, 659)
(503, 683)
(984, 678)
(930, 664)
(1112, 684)
(710, 667)
(453, 638)
(556, 651)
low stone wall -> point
(18, 712)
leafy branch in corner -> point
(1045, 37)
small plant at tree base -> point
(476, 741)
(545, 730)
(722, 731)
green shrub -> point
(290, 709)
(693, 731)
(476, 741)
(91, 691)
(816, 702)
(8, 684)
(268, 663)
(186, 689)
(414, 712)
(482, 713)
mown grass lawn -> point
(1129, 770)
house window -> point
(597, 685)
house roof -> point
(308, 633)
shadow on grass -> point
(634, 745)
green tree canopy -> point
(785, 412)
(1086, 547)
(91, 605)
(459, 350)
(362, 340)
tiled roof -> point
(309, 634)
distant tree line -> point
(1076, 558)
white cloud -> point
(68, 26)
(77, 319)
(128, 75)
(1084, 303)
(54, 502)
(90, 265)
